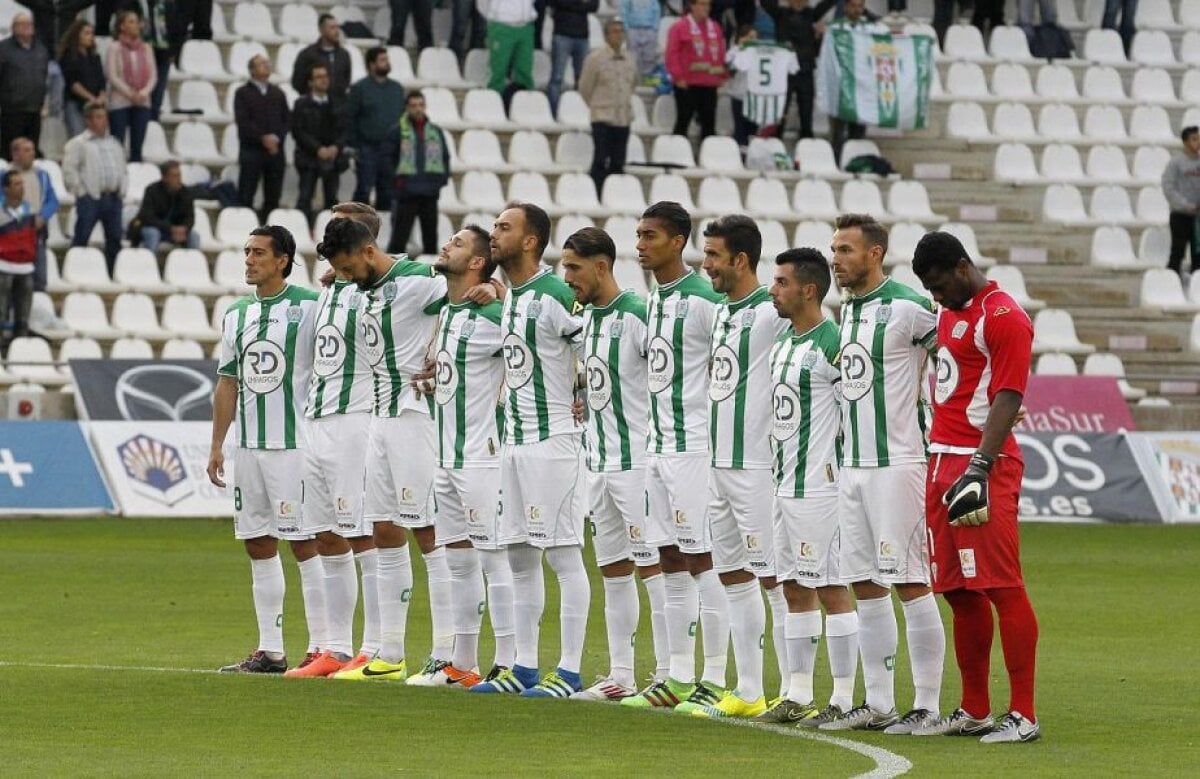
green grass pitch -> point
(88, 602)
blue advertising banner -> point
(47, 468)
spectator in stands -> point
(1048, 11)
(168, 212)
(641, 19)
(375, 105)
(18, 247)
(319, 129)
(261, 113)
(1181, 186)
(606, 83)
(24, 63)
(795, 24)
(988, 15)
(132, 75)
(695, 59)
(510, 43)
(42, 199)
(464, 14)
(422, 14)
(83, 74)
(155, 30)
(94, 172)
(570, 42)
(854, 15)
(422, 169)
(189, 19)
(327, 51)
(1127, 10)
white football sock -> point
(747, 625)
(926, 650)
(656, 593)
(368, 561)
(529, 599)
(500, 602)
(268, 588)
(466, 587)
(714, 626)
(803, 631)
(621, 614)
(682, 611)
(779, 612)
(395, 594)
(312, 586)
(575, 595)
(441, 604)
(841, 638)
(878, 637)
(341, 598)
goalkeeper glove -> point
(967, 498)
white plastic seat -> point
(196, 142)
(1154, 85)
(1063, 203)
(234, 226)
(297, 224)
(1056, 82)
(1102, 84)
(863, 197)
(1056, 364)
(640, 118)
(480, 150)
(623, 231)
(220, 307)
(475, 71)
(813, 199)
(774, 239)
(29, 359)
(1157, 15)
(1107, 164)
(529, 187)
(1010, 43)
(1189, 46)
(134, 314)
(671, 186)
(719, 195)
(484, 108)
(1013, 122)
(531, 109)
(85, 314)
(858, 148)
(966, 236)
(1162, 289)
(1012, 82)
(442, 107)
(1151, 124)
(298, 21)
(204, 230)
(137, 270)
(186, 270)
(1012, 280)
(154, 147)
(1154, 247)
(622, 194)
(673, 151)
(1014, 163)
(131, 348)
(814, 157)
(909, 200)
(84, 268)
(530, 150)
(573, 111)
(1113, 248)
(663, 113)
(1152, 206)
(182, 349)
(481, 191)
(964, 42)
(902, 241)
(576, 193)
(629, 275)
(1105, 47)
(574, 150)
(202, 59)
(1058, 122)
(197, 95)
(720, 154)
(1193, 290)
(1061, 163)
(903, 273)
(241, 52)
(1104, 123)
(253, 21)
(1105, 364)
(186, 317)
(814, 235)
(767, 197)
(1153, 48)
(965, 80)
(1054, 331)
(439, 67)
(1110, 205)
(564, 227)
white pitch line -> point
(887, 764)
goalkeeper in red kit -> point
(984, 342)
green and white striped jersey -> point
(768, 69)
(614, 361)
(468, 378)
(399, 322)
(807, 424)
(679, 321)
(267, 345)
(739, 381)
(886, 337)
(541, 326)
(341, 380)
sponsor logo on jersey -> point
(724, 373)
(1001, 310)
(660, 365)
(884, 313)
(294, 314)
(286, 508)
(599, 383)
(467, 328)
(534, 310)
(947, 376)
(748, 317)
(263, 367)
(616, 328)
(389, 291)
(809, 360)
(330, 351)
(681, 308)
(518, 361)
(959, 329)
(406, 493)
(858, 371)
(786, 414)
(680, 517)
(446, 378)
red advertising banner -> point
(1074, 404)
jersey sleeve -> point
(924, 326)
(228, 364)
(1008, 334)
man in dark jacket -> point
(319, 129)
(168, 211)
(375, 105)
(422, 14)
(261, 113)
(326, 51)
(23, 65)
(570, 41)
(422, 159)
(794, 25)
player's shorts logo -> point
(753, 542)
(660, 365)
(724, 374)
(446, 377)
(787, 415)
(372, 339)
(287, 508)
(406, 494)
(805, 550)
(330, 351)
(263, 367)
(518, 361)
(947, 376)
(858, 371)
(966, 559)
(635, 534)
(599, 383)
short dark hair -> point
(874, 233)
(9, 175)
(740, 233)
(674, 216)
(374, 53)
(1188, 132)
(809, 266)
(482, 248)
(282, 242)
(537, 221)
(315, 67)
(592, 242)
(91, 108)
(360, 212)
(937, 251)
(413, 95)
(343, 236)
(168, 166)
(324, 18)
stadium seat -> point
(629, 275)
(1056, 82)
(864, 197)
(481, 151)
(1151, 124)
(203, 228)
(635, 150)
(252, 21)
(1107, 164)
(719, 195)
(663, 113)
(1105, 364)
(1189, 46)
(1054, 331)
(186, 270)
(530, 150)
(138, 176)
(240, 53)
(1012, 280)
(1113, 248)
(964, 42)
(1162, 290)
(448, 202)
(154, 147)
(640, 121)
(814, 157)
(965, 81)
(622, 194)
(909, 200)
(134, 314)
(1152, 206)
(131, 348)
(442, 108)
(220, 307)
(1012, 82)
(1104, 47)
(1063, 203)
(182, 349)
(573, 111)
(531, 110)
(476, 66)
(1009, 43)
(1104, 123)
(564, 227)
(1061, 164)
(1056, 364)
(484, 108)
(481, 191)
(1102, 84)
(439, 67)
(576, 193)
(54, 280)
(672, 151)
(858, 148)
(541, 68)
(1193, 290)
(765, 270)
(902, 240)
(137, 270)
(298, 21)
(78, 349)
(815, 235)
(623, 231)
(966, 236)
(1154, 247)
(1194, 335)
(767, 197)
(671, 186)
(1014, 163)
(185, 317)
(1153, 48)
(903, 273)
(201, 59)
(1154, 85)
(720, 154)
(774, 238)
(1110, 205)
(573, 151)
(84, 268)
(233, 225)
(197, 95)
(813, 199)
(1058, 122)
(1157, 15)
(297, 224)
(529, 187)
(196, 143)
(1013, 122)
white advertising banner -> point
(158, 469)
(1171, 465)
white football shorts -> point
(468, 506)
(807, 540)
(740, 515)
(268, 494)
(400, 470)
(677, 491)
(881, 517)
(542, 501)
(335, 465)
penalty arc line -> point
(887, 764)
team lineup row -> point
(725, 440)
